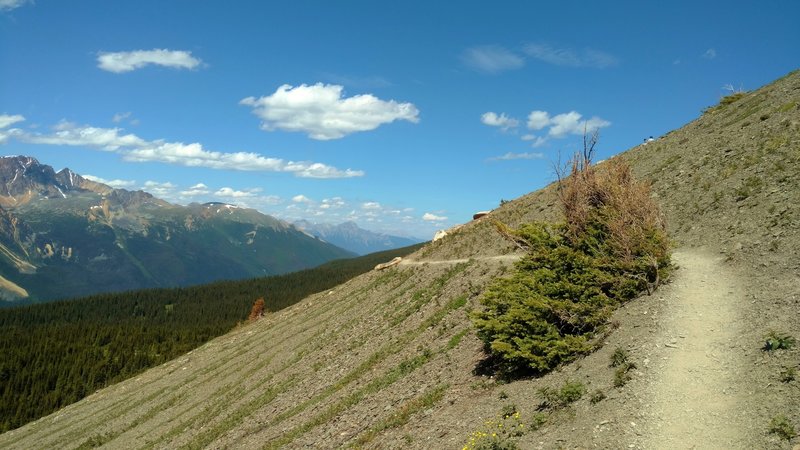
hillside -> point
(388, 359)
(64, 236)
(53, 354)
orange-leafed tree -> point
(257, 311)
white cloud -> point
(120, 62)
(193, 155)
(491, 59)
(502, 121)
(301, 199)
(321, 111)
(561, 125)
(232, 193)
(196, 191)
(118, 184)
(319, 170)
(66, 133)
(7, 120)
(557, 127)
(511, 156)
(433, 217)
(334, 203)
(136, 149)
(538, 120)
(569, 57)
(710, 54)
(159, 189)
(565, 123)
(371, 206)
(8, 5)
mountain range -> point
(350, 236)
(62, 235)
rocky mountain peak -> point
(70, 179)
(23, 178)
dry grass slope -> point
(386, 360)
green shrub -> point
(781, 426)
(611, 247)
(570, 392)
(539, 420)
(508, 411)
(778, 341)
(619, 357)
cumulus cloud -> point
(232, 193)
(196, 190)
(120, 62)
(135, 149)
(511, 156)
(562, 124)
(323, 113)
(160, 189)
(572, 123)
(491, 59)
(371, 206)
(710, 54)
(301, 199)
(538, 120)
(8, 5)
(501, 121)
(117, 184)
(557, 127)
(562, 56)
(428, 217)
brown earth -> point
(386, 360)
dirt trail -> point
(695, 392)
(500, 258)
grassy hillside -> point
(389, 359)
(54, 354)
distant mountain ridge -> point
(62, 235)
(350, 236)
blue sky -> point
(405, 117)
